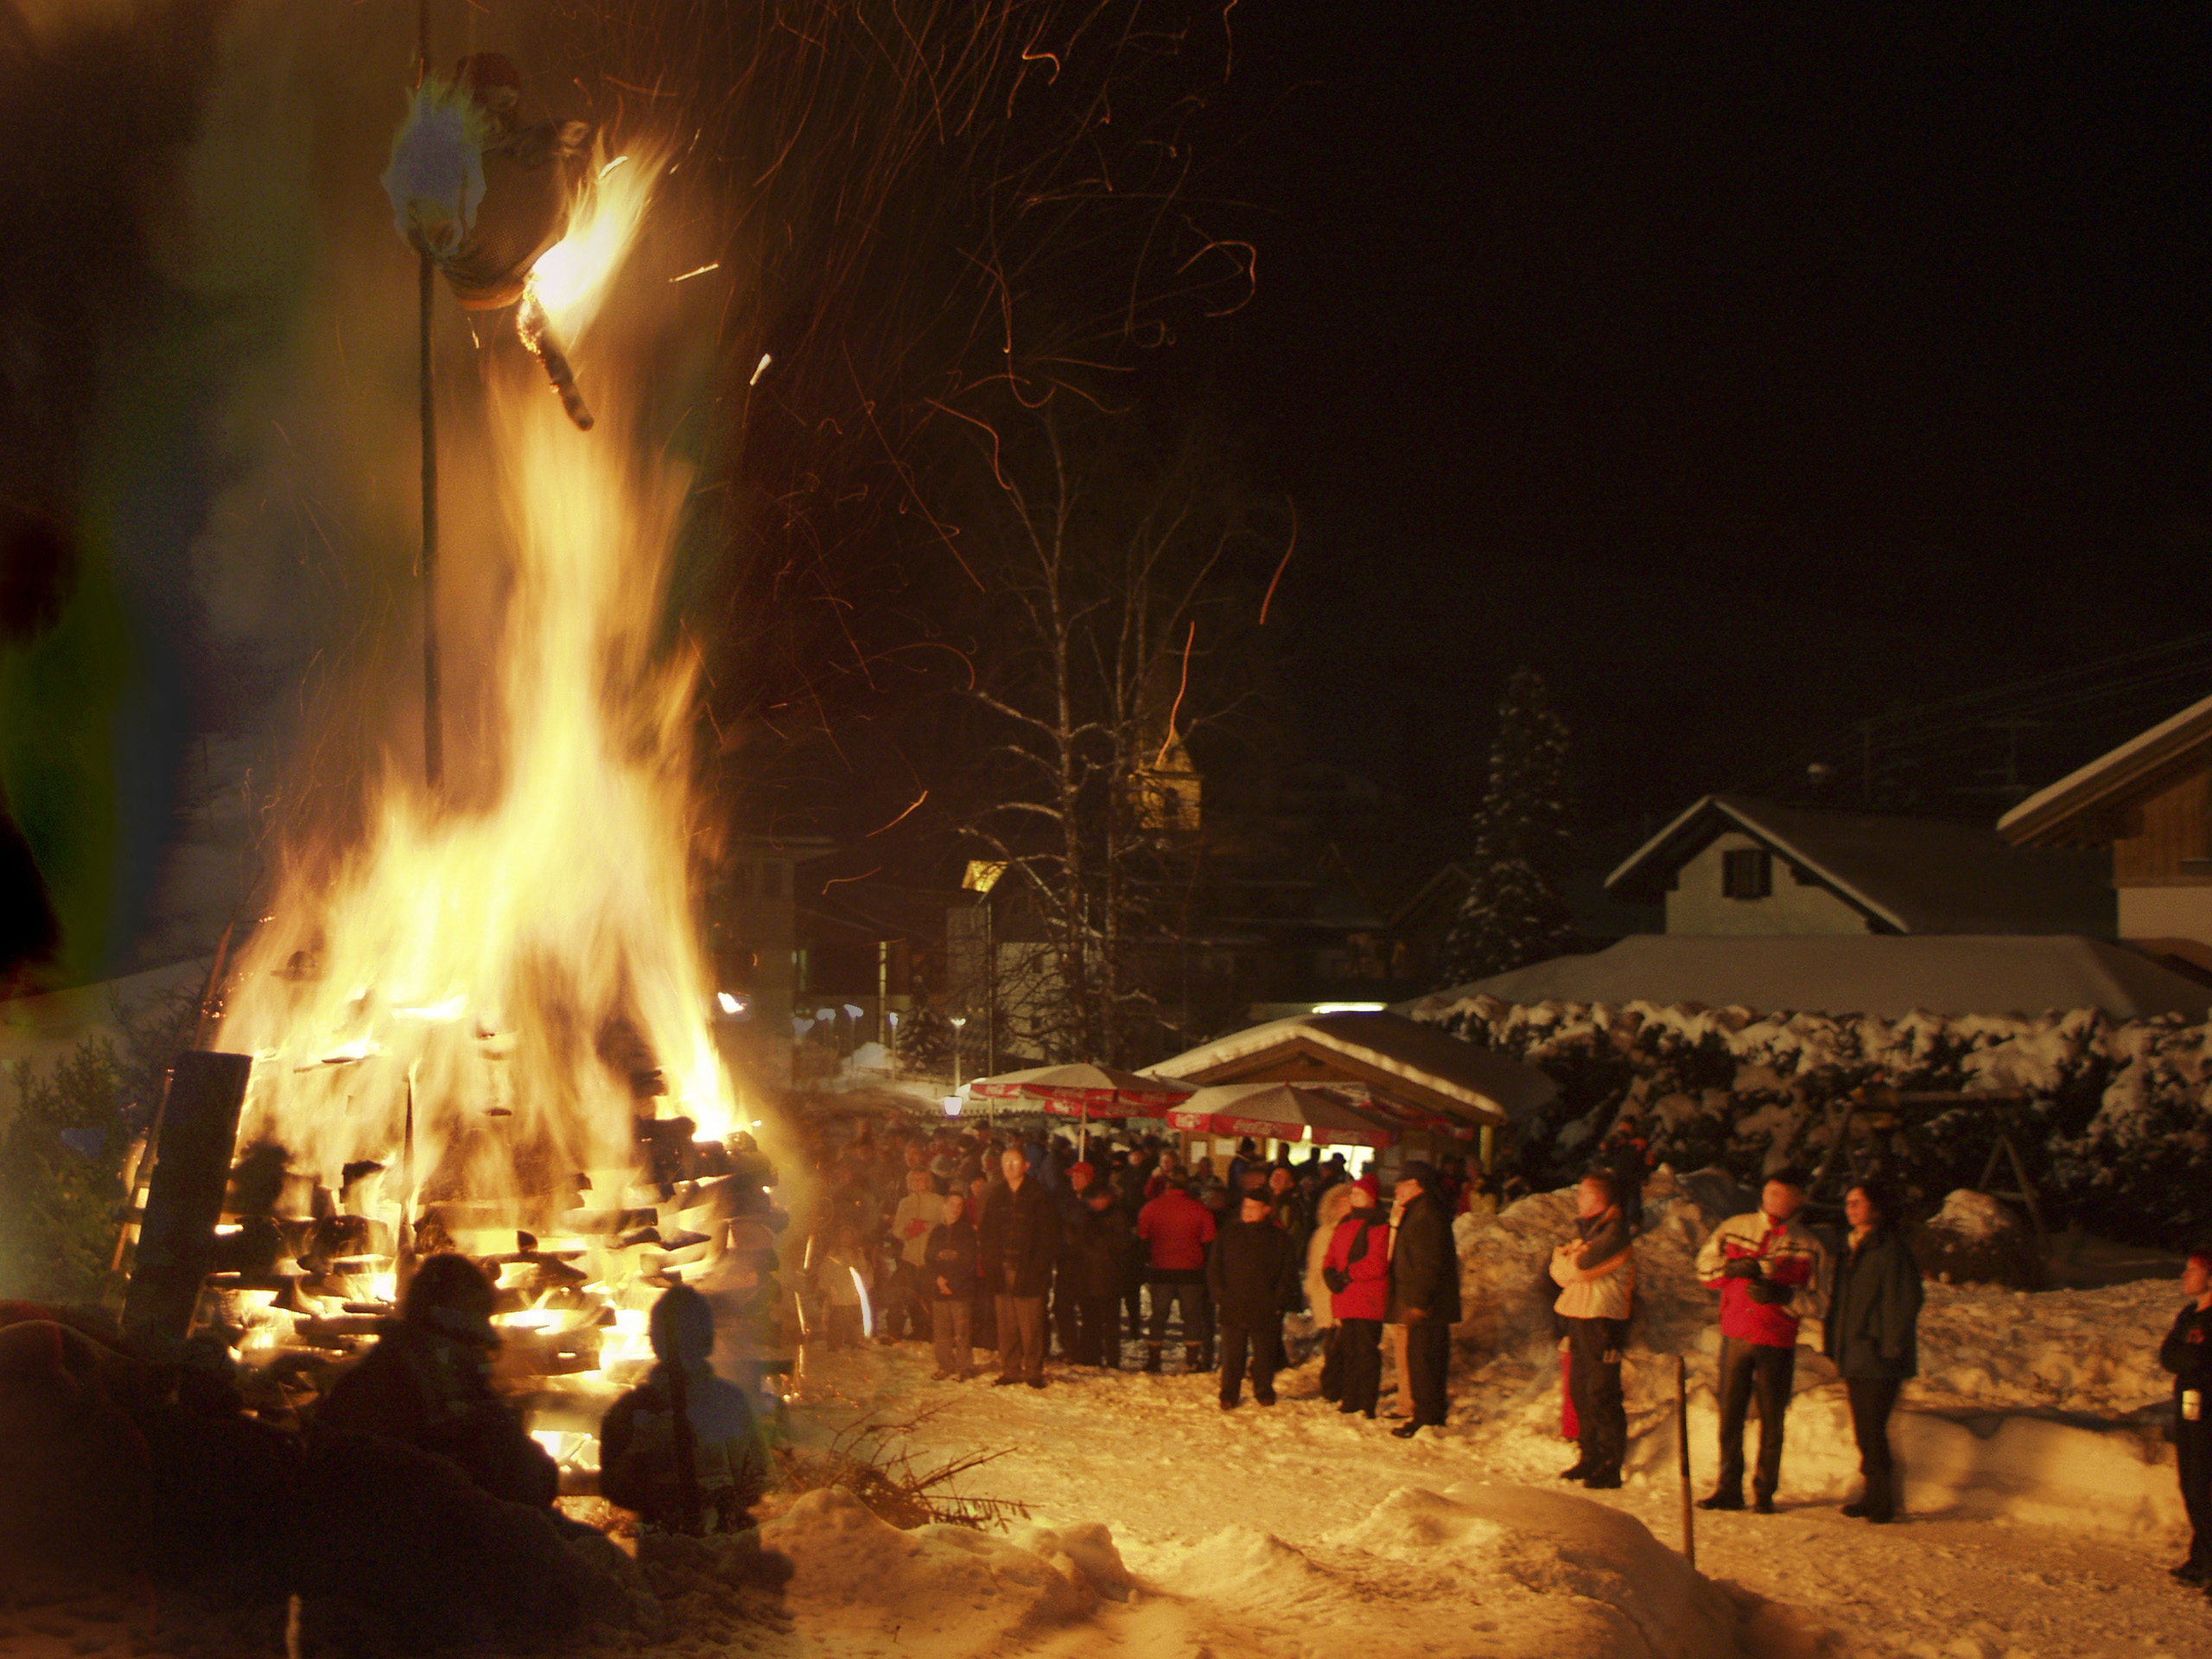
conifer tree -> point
(1514, 913)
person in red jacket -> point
(1771, 1273)
(1356, 1269)
(1176, 1230)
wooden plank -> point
(176, 1244)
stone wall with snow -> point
(2118, 1132)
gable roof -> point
(1907, 876)
(2089, 807)
(1853, 973)
(1388, 1052)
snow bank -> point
(944, 1589)
(1504, 1571)
(2119, 1130)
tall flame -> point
(523, 977)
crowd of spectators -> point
(1020, 1245)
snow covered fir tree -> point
(1514, 913)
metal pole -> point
(434, 747)
(990, 991)
(1683, 1453)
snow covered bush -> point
(2117, 1131)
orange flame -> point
(524, 976)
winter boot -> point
(1196, 1359)
(1722, 1501)
(1152, 1358)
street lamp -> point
(958, 1021)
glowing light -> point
(435, 1014)
(867, 1313)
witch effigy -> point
(481, 183)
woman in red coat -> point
(1358, 1272)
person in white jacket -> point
(1596, 1273)
(1335, 1205)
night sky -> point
(1746, 370)
(1752, 373)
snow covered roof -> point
(1889, 974)
(2088, 806)
(1907, 876)
(1388, 1052)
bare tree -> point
(1118, 576)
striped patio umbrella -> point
(1280, 1111)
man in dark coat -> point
(1020, 1237)
(951, 1265)
(427, 1382)
(1096, 1269)
(1253, 1277)
(1872, 1336)
(1424, 1292)
(1081, 1179)
(2187, 1352)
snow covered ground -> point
(2042, 1510)
(1295, 1531)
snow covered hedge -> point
(2118, 1133)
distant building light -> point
(1349, 1007)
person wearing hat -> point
(427, 1382)
(1253, 1279)
(1424, 1292)
(1356, 1270)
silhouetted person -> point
(1424, 1292)
(427, 1382)
(1873, 1339)
(640, 1456)
(2187, 1352)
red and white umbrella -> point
(1414, 1119)
(1280, 1111)
(1085, 1090)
